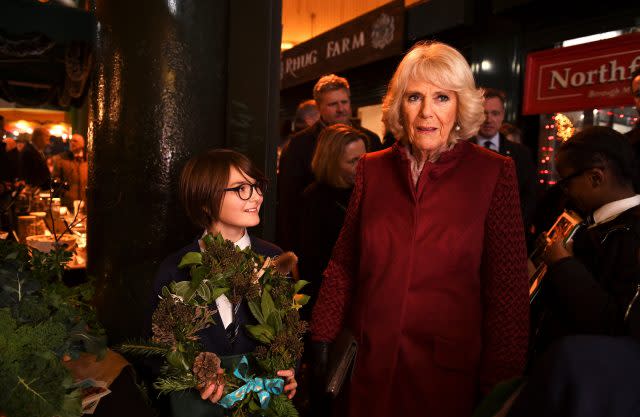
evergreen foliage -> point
(41, 321)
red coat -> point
(432, 280)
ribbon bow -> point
(264, 387)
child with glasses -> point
(593, 286)
(591, 290)
(221, 191)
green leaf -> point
(261, 332)
(205, 293)
(274, 320)
(181, 289)
(197, 274)
(207, 239)
(267, 304)
(255, 310)
(217, 291)
(299, 285)
(191, 258)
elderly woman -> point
(429, 272)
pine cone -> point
(205, 368)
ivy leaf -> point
(299, 285)
(255, 310)
(205, 293)
(191, 258)
(181, 289)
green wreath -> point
(274, 299)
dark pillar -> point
(159, 96)
(254, 92)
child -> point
(594, 290)
(591, 290)
(222, 192)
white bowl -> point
(44, 243)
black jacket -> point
(634, 138)
(591, 292)
(323, 208)
(33, 168)
(295, 175)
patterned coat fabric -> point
(432, 281)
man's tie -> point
(487, 144)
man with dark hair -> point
(490, 137)
(332, 95)
(307, 114)
(33, 165)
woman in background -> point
(325, 201)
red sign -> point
(592, 75)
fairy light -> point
(565, 127)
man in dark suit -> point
(490, 137)
(332, 96)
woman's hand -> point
(214, 389)
(555, 251)
(290, 379)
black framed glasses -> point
(564, 183)
(245, 191)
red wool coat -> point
(431, 280)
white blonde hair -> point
(442, 66)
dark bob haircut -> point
(599, 146)
(204, 179)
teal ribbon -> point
(263, 387)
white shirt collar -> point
(244, 242)
(611, 210)
(495, 141)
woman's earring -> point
(457, 127)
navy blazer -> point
(213, 338)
